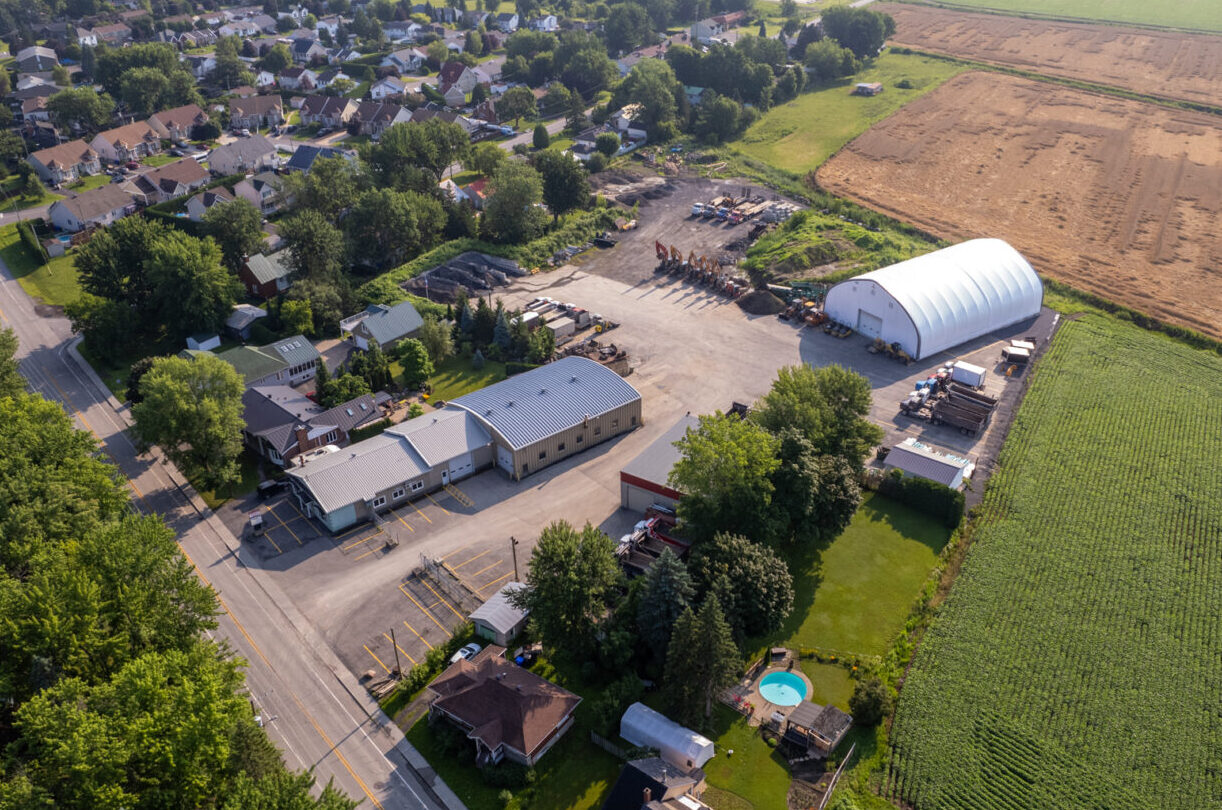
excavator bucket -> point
(691, 257)
(676, 254)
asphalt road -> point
(312, 706)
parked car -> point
(270, 487)
(177, 152)
(244, 132)
(133, 165)
(468, 652)
(290, 129)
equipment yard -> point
(1157, 63)
(1117, 197)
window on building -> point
(598, 430)
(560, 449)
(330, 437)
(378, 501)
(417, 486)
(398, 493)
(633, 420)
(542, 454)
(614, 424)
(581, 439)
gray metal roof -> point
(655, 461)
(498, 613)
(925, 463)
(393, 323)
(244, 315)
(268, 268)
(544, 401)
(442, 435)
(294, 350)
(360, 471)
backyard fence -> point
(608, 746)
(836, 777)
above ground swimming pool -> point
(782, 689)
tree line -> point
(112, 695)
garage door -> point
(461, 467)
(869, 325)
(504, 459)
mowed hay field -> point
(1118, 197)
(1156, 63)
(1202, 15)
(1075, 663)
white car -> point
(468, 652)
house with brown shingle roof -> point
(65, 163)
(509, 712)
(130, 142)
(99, 206)
(169, 181)
(255, 112)
(330, 111)
(199, 205)
(176, 124)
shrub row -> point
(926, 496)
(362, 433)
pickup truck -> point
(698, 210)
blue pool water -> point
(783, 689)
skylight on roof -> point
(349, 412)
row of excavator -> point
(703, 270)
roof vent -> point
(542, 390)
(488, 412)
(509, 404)
(574, 379)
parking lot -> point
(689, 351)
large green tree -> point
(516, 102)
(237, 228)
(193, 410)
(565, 182)
(701, 661)
(627, 27)
(192, 292)
(512, 213)
(143, 89)
(752, 582)
(572, 578)
(417, 365)
(860, 30)
(816, 495)
(82, 108)
(415, 157)
(437, 337)
(11, 381)
(828, 405)
(666, 593)
(386, 228)
(330, 188)
(724, 471)
(111, 264)
(652, 84)
(316, 247)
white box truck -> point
(967, 374)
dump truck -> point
(968, 422)
(964, 391)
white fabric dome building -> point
(941, 299)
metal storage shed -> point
(941, 299)
(679, 746)
(644, 480)
(497, 620)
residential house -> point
(817, 729)
(304, 156)
(547, 22)
(18, 98)
(655, 784)
(256, 112)
(401, 30)
(330, 76)
(65, 163)
(201, 38)
(266, 23)
(456, 74)
(453, 96)
(264, 78)
(498, 620)
(474, 18)
(86, 36)
(422, 114)
(346, 54)
(42, 134)
(625, 121)
(27, 80)
(244, 91)
(240, 28)
(913, 458)
(129, 142)
(36, 59)
(243, 317)
(34, 109)
(447, 15)
(262, 191)
(476, 193)
(387, 88)
(376, 116)
(100, 206)
(382, 325)
(330, 24)
(695, 95)
(176, 124)
(169, 181)
(406, 60)
(201, 66)
(506, 21)
(205, 201)
(329, 111)
(289, 361)
(265, 276)
(113, 35)
(585, 142)
(306, 50)
(297, 78)
(245, 155)
(281, 423)
(704, 31)
(510, 712)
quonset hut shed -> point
(679, 746)
(941, 299)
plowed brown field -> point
(1157, 63)
(1118, 197)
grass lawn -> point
(248, 467)
(357, 140)
(455, 377)
(89, 183)
(463, 178)
(14, 202)
(54, 283)
(800, 135)
(857, 596)
(832, 683)
(359, 90)
(754, 774)
(158, 160)
(307, 132)
(560, 144)
(1197, 14)
(293, 118)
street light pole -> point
(513, 546)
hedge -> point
(369, 431)
(514, 367)
(168, 211)
(924, 495)
(26, 230)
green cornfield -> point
(1077, 662)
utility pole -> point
(395, 644)
(513, 546)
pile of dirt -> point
(760, 302)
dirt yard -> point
(1117, 197)
(1157, 63)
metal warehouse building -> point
(644, 481)
(521, 425)
(939, 300)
